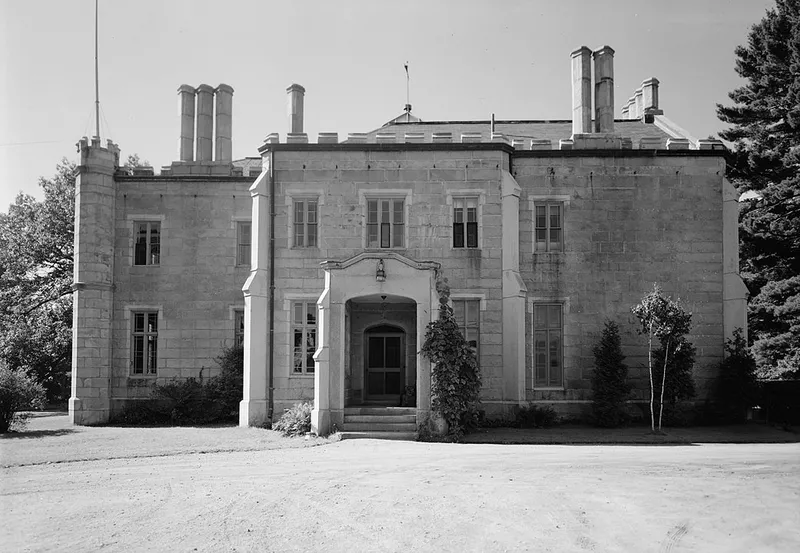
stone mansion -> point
(322, 257)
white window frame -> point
(289, 299)
(564, 303)
(458, 194)
(293, 195)
(130, 311)
(563, 201)
(364, 196)
(132, 220)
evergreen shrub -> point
(18, 392)
(737, 386)
(610, 379)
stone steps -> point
(381, 423)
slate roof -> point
(550, 130)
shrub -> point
(18, 392)
(534, 416)
(227, 387)
(140, 413)
(187, 401)
(609, 379)
(295, 421)
(737, 386)
(455, 375)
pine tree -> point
(609, 379)
(765, 131)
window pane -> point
(311, 313)
(393, 353)
(385, 207)
(299, 351)
(458, 235)
(555, 216)
(138, 354)
(140, 247)
(555, 239)
(311, 240)
(312, 211)
(299, 212)
(397, 238)
(541, 216)
(298, 313)
(540, 357)
(152, 348)
(554, 316)
(299, 231)
(138, 322)
(372, 235)
(398, 212)
(152, 322)
(473, 308)
(245, 233)
(311, 347)
(372, 211)
(458, 311)
(375, 358)
(458, 215)
(555, 359)
(539, 317)
(385, 230)
(541, 236)
(472, 235)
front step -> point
(381, 423)
(408, 436)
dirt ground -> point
(367, 495)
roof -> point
(554, 131)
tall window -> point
(304, 335)
(244, 241)
(147, 243)
(467, 314)
(144, 341)
(549, 227)
(305, 223)
(385, 223)
(238, 327)
(465, 222)
(548, 333)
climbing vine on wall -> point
(455, 374)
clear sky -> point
(468, 59)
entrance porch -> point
(373, 314)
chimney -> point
(295, 108)
(223, 126)
(581, 91)
(604, 90)
(205, 122)
(650, 97)
(639, 102)
(186, 112)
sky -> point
(467, 59)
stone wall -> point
(629, 222)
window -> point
(147, 243)
(385, 223)
(465, 222)
(244, 241)
(467, 314)
(548, 332)
(304, 336)
(549, 227)
(238, 327)
(305, 223)
(144, 341)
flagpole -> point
(96, 76)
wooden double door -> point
(385, 366)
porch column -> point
(514, 295)
(321, 414)
(253, 407)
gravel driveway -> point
(370, 495)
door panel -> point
(384, 365)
